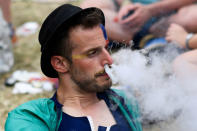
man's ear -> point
(60, 64)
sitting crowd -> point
(167, 21)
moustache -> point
(100, 73)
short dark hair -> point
(86, 21)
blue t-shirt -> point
(71, 123)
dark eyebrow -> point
(95, 48)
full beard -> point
(88, 84)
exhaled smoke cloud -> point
(162, 97)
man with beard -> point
(73, 45)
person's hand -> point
(177, 34)
(137, 19)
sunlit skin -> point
(85, 56)
(89, 55)
(93, 55)
(85, 75)
(80, 80)
(106, 46)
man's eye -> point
(92, 53)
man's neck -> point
(69, 96)
(78, 104)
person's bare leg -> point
(5, 6)
(115, 31)
(185, 17)
(102, 4)
(185, 65)
(185, 68)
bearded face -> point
(97, 82)
(89, 56)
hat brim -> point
(46, 66)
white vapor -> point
(162, 97)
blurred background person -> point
(178, 35)
(184, 65)
(5, 6)
(6, 34)
(145, 17)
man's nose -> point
(107, 59)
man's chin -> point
(104, 88)
(106, 85)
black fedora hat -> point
(56, 20)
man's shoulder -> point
(33, 106)
(32, 113)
